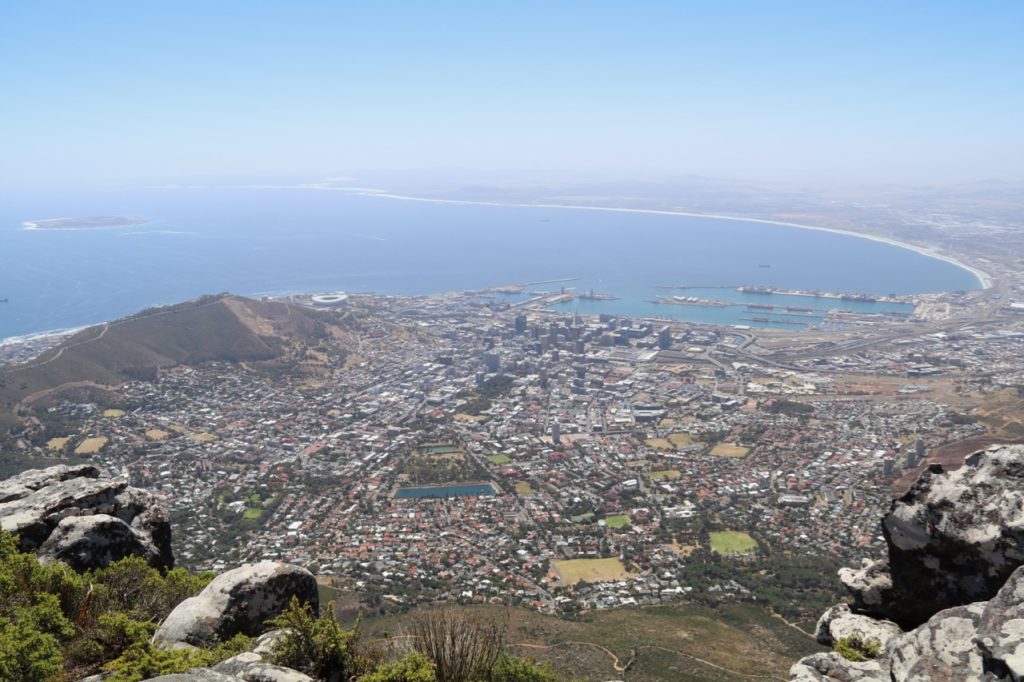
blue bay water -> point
(274, 241)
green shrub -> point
(413, 668)
(54, 620)
(142, 659)
(510, 668)
(27, 654)
(318, 647)
(856, 648)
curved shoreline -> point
(984, 279)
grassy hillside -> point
(227, 328)
(679, 642)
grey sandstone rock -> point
(264, 644)
(264, 672)
(1000, 632)
(941, 650)
(36, 503)
(238, 601)
(196, 675)
(954, 538)
(831, 667)
(838, 622)
(85, 542)
(236, 664)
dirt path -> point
(619, 667)
(794, 626)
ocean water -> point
(275, 241)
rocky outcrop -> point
(839, 623)
(953, 538)
(255, 672)
(251, 666)
(954, 579)
(238, 601)
(832, 667)
(70, 513)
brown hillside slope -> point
(224, 327)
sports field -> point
(680, 438)
(665, 474)
(524, 488)
(732, 542)
(571, 571)
(91, 446)
(617, 521)
(729, 450)
(499, 459)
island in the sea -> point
(86, 223)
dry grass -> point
(113, 413)
(666, 474)
(680, 438)
(729, 450)
(57, 443)
(157, 434)
(524, 488)
(571, 571)
(91, 446)
(663, 643)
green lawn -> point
(732, 542)
(252, 513)
(617, 521)
(500, 459)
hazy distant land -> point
(86, 223)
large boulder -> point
(37, 505)
(256, 672)
(839, 623)
(195, 675)
(954, 578)
(953, 539)
(85, 542)
(238, 601)
(1000, 631)
(941, 650)
(832, 667)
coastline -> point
(983, 278)
(39, 336)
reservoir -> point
(454, 490)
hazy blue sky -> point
(146, 91)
